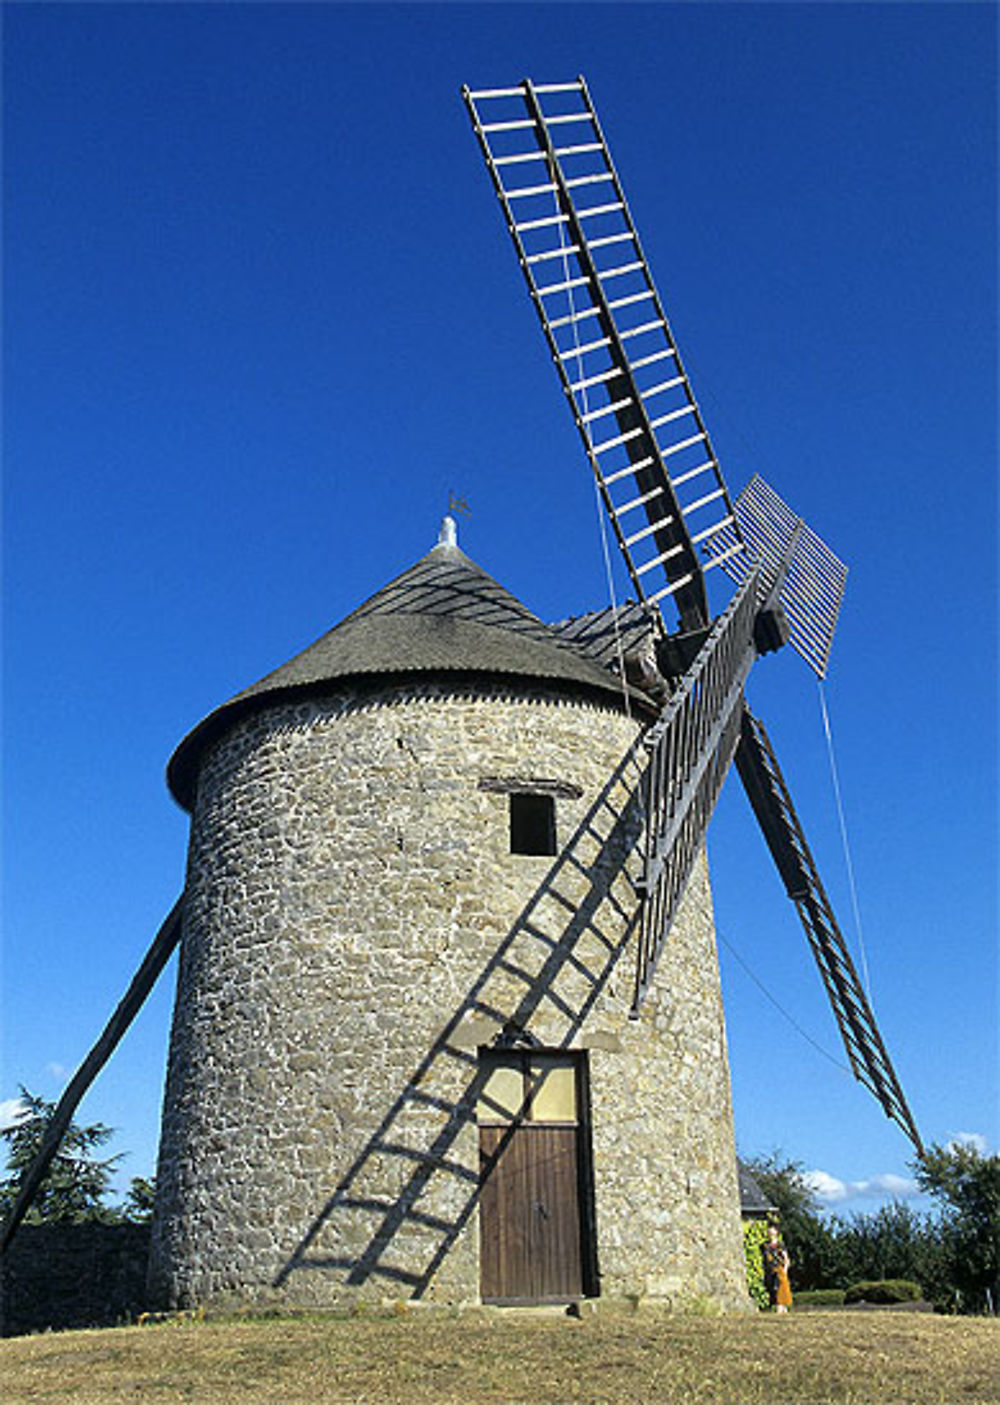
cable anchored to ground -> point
(781, 1009)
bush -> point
(754, 1234)
(820, 1297)
(886, 1290)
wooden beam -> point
(128, 1007)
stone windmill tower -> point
(402, 1062)
(448, 1022)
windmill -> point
(671, 513)
(376, 1005)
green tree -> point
(76, 1183)
(809, 1239)
(894, 1241)
(138, 1206)
(966, 1185)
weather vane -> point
(457, 504)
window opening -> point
(532, 824)
(526, 1086)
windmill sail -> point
(810, 577)
(691, 748)
(696, 737)
(705, 725)
(609, 337)
(772, 804)
(651, 455)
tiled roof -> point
(753, 1201)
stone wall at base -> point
(356, 930)
(56, 1276)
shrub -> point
(820, 1297)
(754, 1234)
(887, 1290)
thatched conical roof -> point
(443, 615)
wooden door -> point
(531, 1217)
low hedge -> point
(820, 1297)
(887, 1290)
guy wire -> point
(855, 906)
(780, 1008)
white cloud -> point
(825, 1186)
(12, 1110)
(888, 1184)
(833, 1191)
(56, 1069)
(975, 1140)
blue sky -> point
(261, 316)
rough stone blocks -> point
(356, 928)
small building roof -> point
(443, 615)
(754, 1204)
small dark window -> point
(532, 824)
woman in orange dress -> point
(776, 1266)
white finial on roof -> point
(448, 535)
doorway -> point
(536, 1215)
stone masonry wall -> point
(56, 1276)
(355, 929)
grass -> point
(504, 1359)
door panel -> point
(529, 1212)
